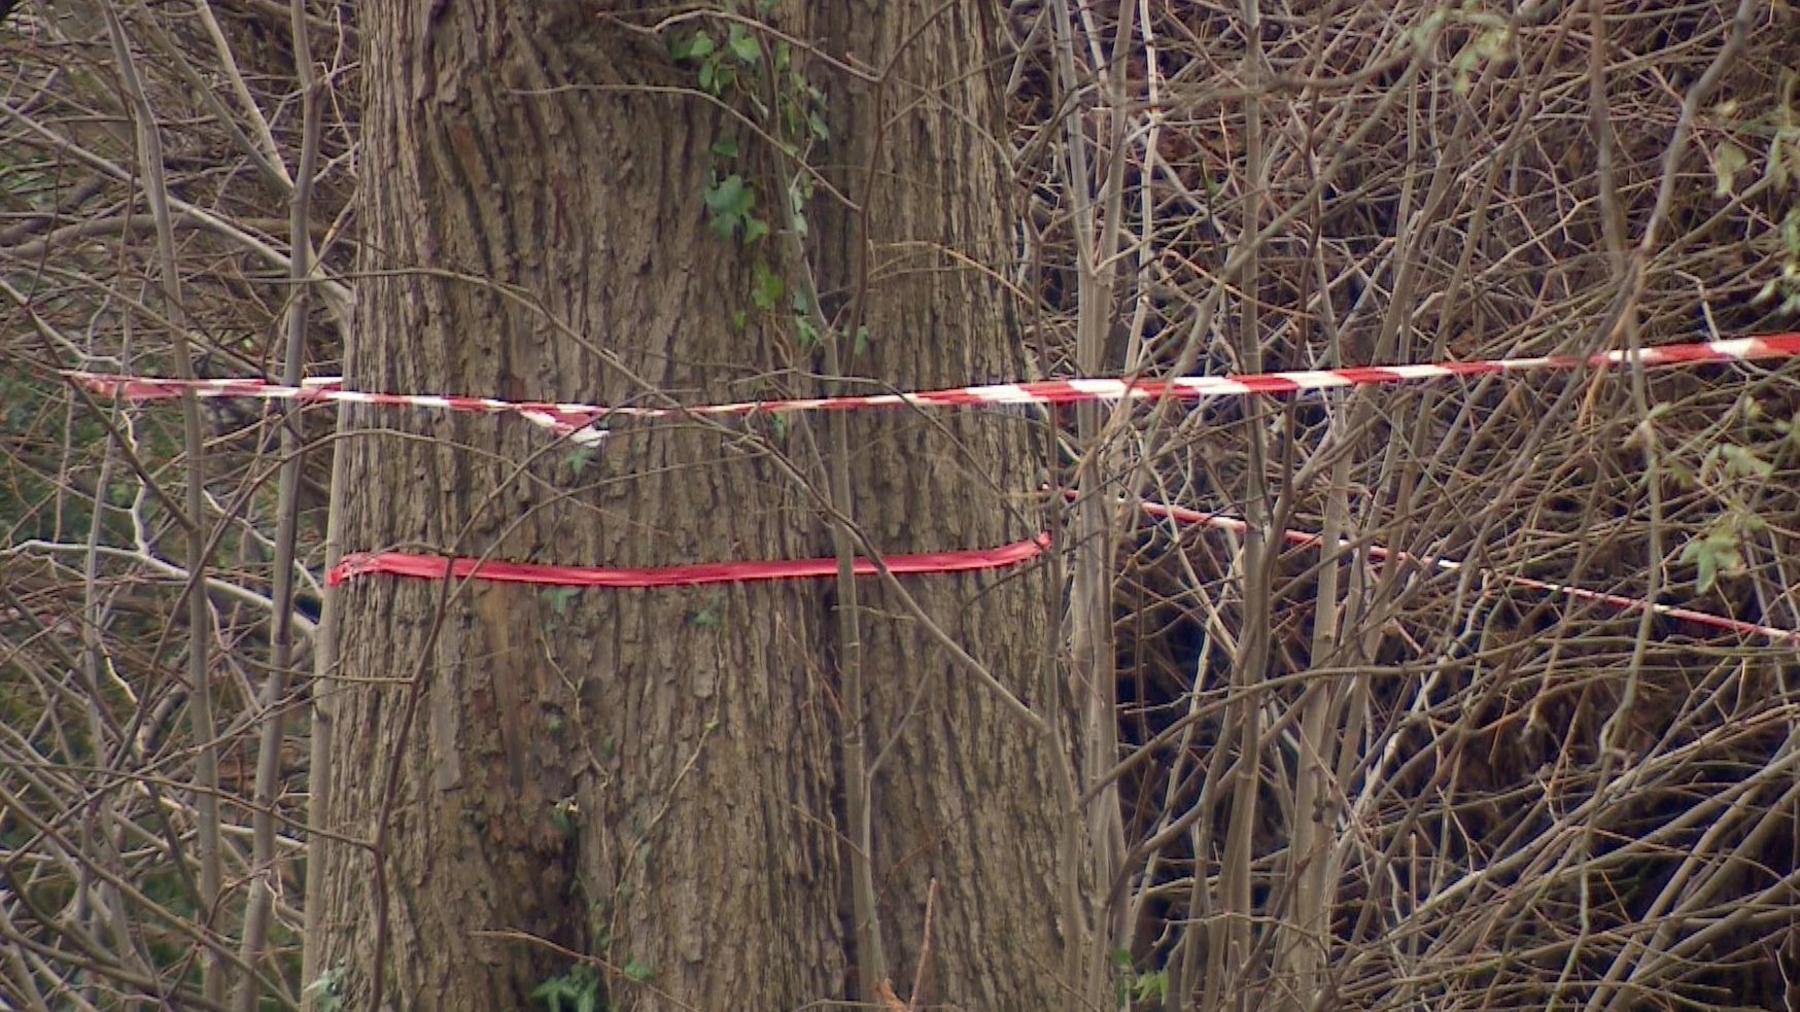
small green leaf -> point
(1741, 461)
(637, 970)
(711, 616)
(767, 287)
(578, 459)
(1728, 159)
(725, 148)
(800, 191)
(327, 992)
(729, 200)
(1152, 986)
(739, 320)
(861, 344)
(562, 816)
(553, 992)
(1708, 565)
(817, 123)
(1681, 474)
(1492, 44)
(790, 117)
(728, 195)
(778, 424)
(743, 45)
(754, 229)
(716, 75)
(1774, 165)
(580, 987)
(693, 47)
(559, 598)
(1713, 554)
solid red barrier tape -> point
(436, 567)
(572, 420)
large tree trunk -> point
(656, 776)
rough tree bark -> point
(654, 776)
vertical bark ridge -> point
(966, 793)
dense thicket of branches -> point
(1343, 782)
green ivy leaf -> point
(711, 616)
(1151, 986)
(327, 992)
(580, 988)
(716, 75)
(693, 47)
(725, 148)
(559, 598)
(637, 970)
(554, 992)
(790, 117)
(578, 460)
(754, 229)
(562, 816)
(729, 200)
(743, 45)
(766, 287)
(730, 196)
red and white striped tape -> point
(569, 420)
(437, 567)
(1181, 514)
(573, 420)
